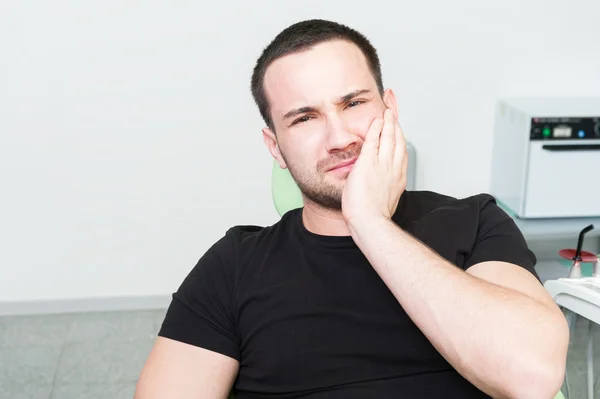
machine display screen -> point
(562, 131)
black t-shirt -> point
(308, 317)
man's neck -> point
(325, 222)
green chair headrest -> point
(286, 194)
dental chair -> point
(287, 196)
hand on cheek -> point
(378, 178)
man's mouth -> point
(344, 164)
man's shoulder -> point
(430, 200)
(419, 205)
(245, 238)
(453, 227)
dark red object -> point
(584, 256)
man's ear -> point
(389, 99)
(270, 140)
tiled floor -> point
(100, 355)
(75, 356)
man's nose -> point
(339, 137)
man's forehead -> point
(321, 74)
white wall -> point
(129, 141)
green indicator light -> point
(546, 132)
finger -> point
(372, 137)
(387, 142)
(405, 169)
(400, 144)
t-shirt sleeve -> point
(202, 310)
(499, 238)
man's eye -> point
(354, 103)
(302, 119)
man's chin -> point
(329, 203)
(327, 197)
(335, 179)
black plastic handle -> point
(571, 147)
(580, 240)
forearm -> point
(495, 337)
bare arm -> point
(178, 370)
(508, 338)
(496, 327)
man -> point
(368, 291)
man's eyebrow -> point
(351, 95)
(298, 111)
(343, 99)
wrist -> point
(366, 224)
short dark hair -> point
(303, 36)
